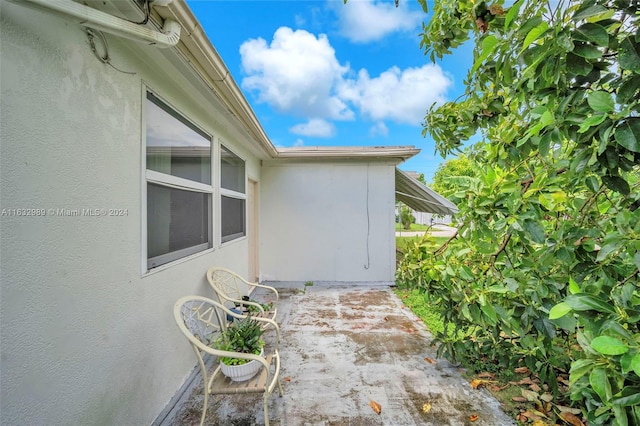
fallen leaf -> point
(539, 423)
(526, 381)
(534, 387)
(431, 360)
(519, 399)
(570, 418)
(486, 375)
(569, 409)
(473, 417)
(537, 411)
(376, 407)
(522, 370)
(501, 388)
(426, 407)
(531, 416)
(476, 383)
(530, 395)
(546, 397)
(287, 379)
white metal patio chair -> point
(233, 291)
(201, 320)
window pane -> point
(233, 219)
(177, 221)
(175, 146)
(232, 170)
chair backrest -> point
(227, 285)
(199, 320)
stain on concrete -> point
(343, 346)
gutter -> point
(401, 153)
(89, 17)
(202, 56)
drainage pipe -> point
(93, 18)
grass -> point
(417, 301)
(402, 242)
(507, 387)
(414, 227)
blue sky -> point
(321, 73)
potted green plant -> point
(266, 307)
(244, 336)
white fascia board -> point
(198, 50)
(397, 153)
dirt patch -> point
(382, 348)
(442, 410)
(375, 298)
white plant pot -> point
(240, 373)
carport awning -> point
(421, 198)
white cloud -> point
(298, 142)
(363, 21)
(399, 95)
(299, 74)
(379, 129)
(296, 73)
(315, 127)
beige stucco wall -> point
(86, 337)
(328, 221)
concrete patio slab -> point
(344, 345)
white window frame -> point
(232, 194)
(174, 182)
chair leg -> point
(280, 391)
(204, 409)
(266, 409)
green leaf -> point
(560, 310)
(535, 34)
(564, 41)
(625, 362)
(627, 134)
(587, 51)
(600, 383)
(489, 312)
(630, 396)
(592, 33)
(589, 12)
(511, 14)
(488, 46)
(601, 101)
(577, 65)
(535, 231)
(591, 121)
(587, 302)
(635, 364)
(579, 368)
(608, 345)
(628, 89)
(617, 184)
(629, 55)
(573, 286)
(592, 183)
(608, 249)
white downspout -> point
(90, 17)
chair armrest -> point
(267, 287)
(230, 313)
